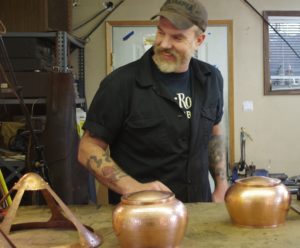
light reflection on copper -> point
(258, 202)
(150, 219)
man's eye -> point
(178, 38)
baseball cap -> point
(184, 13)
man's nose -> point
(166, 42)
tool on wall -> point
(7, 77)
(108, 6)
(242, 165)
(75, 3)
(241, 168)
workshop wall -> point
(274, 121)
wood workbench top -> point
(208, 226)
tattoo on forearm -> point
(107, 157)
(219, 172)
(93, 160)
(105, 167)
(216, 150)
(113, 174)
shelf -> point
(73, 39)
(62, 41)
(31, 34)
(35, 101)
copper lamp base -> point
(33, 182)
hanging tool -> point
(107, 6)
(101, 21)
(242, 165)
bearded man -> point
(160, 116)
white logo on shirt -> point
(185, 103)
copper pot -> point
(258, 202)
(150, 219)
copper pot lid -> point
(258, 181)
(147, 197)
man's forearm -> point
(94, 156)
(97, 160)
(217, 159)
(104, 167)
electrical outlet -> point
(248, 106)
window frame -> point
(266, 54)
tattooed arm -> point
(93, 154)
(217, 164)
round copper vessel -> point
(258, 202)
(150, 219)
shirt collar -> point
(145, 76)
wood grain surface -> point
(209, 225)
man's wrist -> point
(128, 185)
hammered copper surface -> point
(61, 216)
(258, 202)
(150, 219)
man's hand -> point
(218, 195)
(155, 185)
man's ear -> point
(199, 39)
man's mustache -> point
(166, 50)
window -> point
(282, 52)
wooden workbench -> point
(209, 226)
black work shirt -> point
(149, 136)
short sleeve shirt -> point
(149, 136)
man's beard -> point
(167, 66)
(163, 65)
